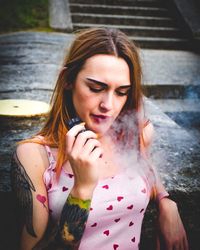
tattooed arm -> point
(73, 220)
(68, 233)
(27, 167)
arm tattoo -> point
(22, 186)
(73, 220)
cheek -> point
(83, 102)
(120, 104)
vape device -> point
(75, 121)
(72, 122)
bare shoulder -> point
(33, 157)
(148, 133)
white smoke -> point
(127, 150)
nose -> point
(106, 103)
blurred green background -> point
(18, 15)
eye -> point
(122, 93)
(96, 90)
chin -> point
(100, 130)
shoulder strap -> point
(49, 154)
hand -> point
(172, 235)
(83, 152)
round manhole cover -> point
(23, 108)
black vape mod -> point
(72, 122)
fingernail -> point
(82, 124)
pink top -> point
(117, 208)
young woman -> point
(87, 186)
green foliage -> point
(23, 14)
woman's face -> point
(101, 90)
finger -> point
(69, 143)
(71, 136)
(157, 243)
(81, 140)
(185, 243)
(178, 245)
(76, 129)
(96, 153)
(169, 246)
(185, 240)
(90, 145)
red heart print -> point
(91, 209)
(141, 210)
(131, 224)
(130, 207)
(133, 240)
(70, 175)
(64, 189)
(115, 246)
(41, 198)
(110, 207)
(94, 225)
(50, 185)
(143, 190)
(105, 186)
(107, 232)
(119, 198)
(116, 220)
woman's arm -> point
(72, 222)
(171, 232)
(83, 151)
(28, 164)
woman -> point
(79, 177)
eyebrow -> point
(103, 84)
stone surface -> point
(190, 11)
(59, 15)
(150, 30)
(29, 64)
(171, 74)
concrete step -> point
(178, 105)
(136, 3)
(162, 43)
(149, 22)
(173, 90)
(138, 30)
(184, 112)
(171, 74)
(119, 10)
(122, 20)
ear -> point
(68, 86)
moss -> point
(23, 14)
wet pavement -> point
(29, 65)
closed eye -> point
(96, 90)
(123, 90)
(97, 86)
(120, 93)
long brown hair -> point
(88, 43)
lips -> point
(100, 118)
